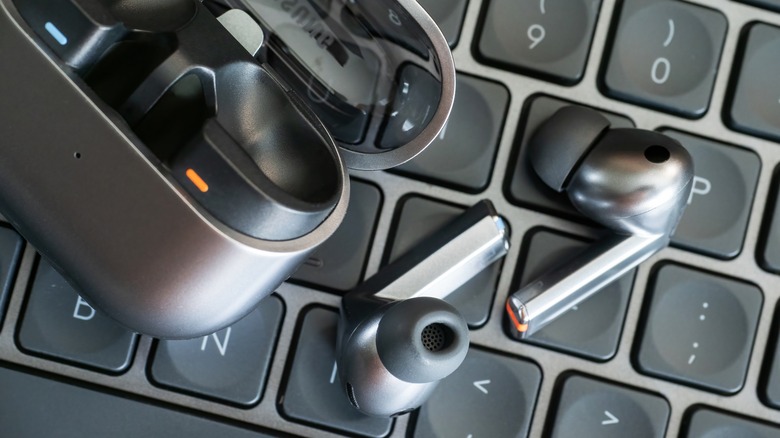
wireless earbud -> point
(632, 181)
(397, 337)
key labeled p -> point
(701, 186)
(83, 310)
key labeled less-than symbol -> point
(482, 385)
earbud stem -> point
(444, 262)
(551, 295)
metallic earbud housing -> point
(409, 366)
(397, 336)
(632, 181)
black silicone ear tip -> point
(562, 141)
(422, 340)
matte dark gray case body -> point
(71, 179)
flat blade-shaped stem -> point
(557, 291)
(446, 260)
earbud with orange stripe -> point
(634, 182)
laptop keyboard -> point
(685, 345)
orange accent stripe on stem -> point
(519, 327)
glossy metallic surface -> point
(383, 362)
(635, 182)
(112, 219)
(618, 186)
(453, 264)
(353, 63)
(558, 291)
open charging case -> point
(177, 160)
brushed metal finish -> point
(453, 264)
(557, 291)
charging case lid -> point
(378, 73)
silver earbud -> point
(632, 181)
(397, 336)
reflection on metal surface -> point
(379, 74)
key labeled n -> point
(221, 344)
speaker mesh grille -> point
(434, 337)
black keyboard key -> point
(769, 250)
(490, 395)
(418, 219)
(549, 39)
(448, 15)
(712, 424)
(33, 406)
(699, 329)
(755, 103)
(591, 408)
(592, 328)
(230, 365)
(665, 55)
(313, 392)
(339, 262)
(464, 152)
(524, 186)
(58, 323)
(716, 218)
(11, 245)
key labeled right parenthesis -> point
(665, 55)
(662, 67)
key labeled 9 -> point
(537, 32)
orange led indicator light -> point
(197, 180)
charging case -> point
(174, 175)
